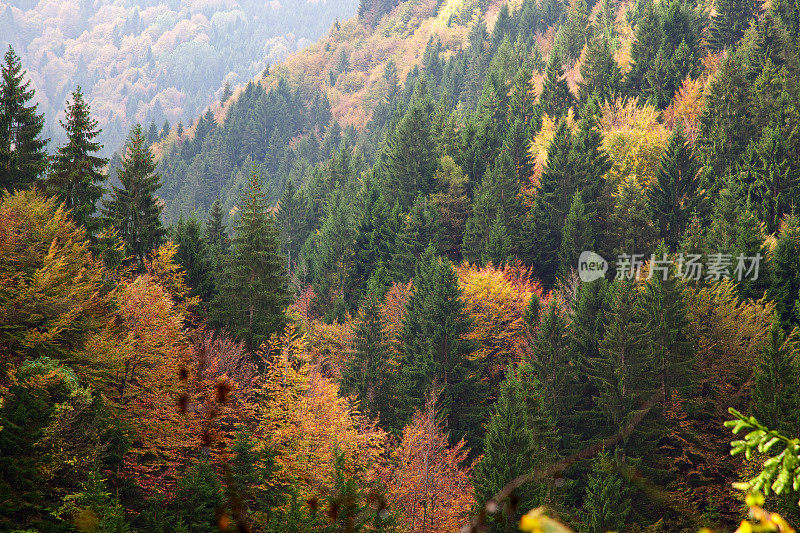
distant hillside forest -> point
(459, 266)
(150, 61)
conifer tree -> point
(554, 364)
(577, 236)
(520, 437)
(193, 257)
(408, 162)
(134, 209)
(607, 503)
(785, 270)
(600, 73)
(75, 175)
(253, 290)
(556, 97)
(616, 369)
(434, 352)
(632, 230)
(730, 21)
(22, 149)
(216, 238)
(675, 196)
(366, 373)
(497, 205)
(670, 347)
(551, 206)
(776, 387)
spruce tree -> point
(366, 373)
(134, 209)
(253, 291)
(22, 149)
(600, 73)
(193, 257)
(784, 286)
(75, 176)
(670, 347)
(520, 438)
(577, 236)
(776, 387)
(556, 98)
(675, 196)
(607, 503)
(730, 21)
(631, 230)
(434, 352)
(551, 207)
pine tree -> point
(632, 230)
(520, 438)
(556, 97)
(434, 352)
(75, 176)
(730, 21)
(675, 196)
(133, 209)
(226, 93)
(22, 149)
(253, 291)
(366, 373)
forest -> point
(154, 61)
(459, 266)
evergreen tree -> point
(607, 503)
(556, 98)
(577, 236)
(520, 438)
(632, 230)
(675, 196)
(600, 73)
(434, 352)
(22, 149)
(730, 21)
(496, 207)
(670, 347)
(193, 257)
(551, 206)
(776, 387)
(366, 373)
(252, 293)
(226, 93)
(75, 176)
(785, 270)
(408, 162)
(133, 209)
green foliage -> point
(520, 438)
(198, 496)
(133, 209)
(76, 175)
(23, 159)
(607, 504)
(253, 292)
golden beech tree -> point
(304, 421)
(495, 300)
(430, 483)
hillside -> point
(459, 266)
(153, 61)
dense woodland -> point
(283, 320)
(154, 61)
